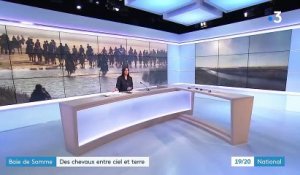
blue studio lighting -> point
(193, 17)
(232, 5)
(192, 14)
(158, 6)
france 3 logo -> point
(277, 18)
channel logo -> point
(277, 18)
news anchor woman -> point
(124, 82)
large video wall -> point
(258, 61)
(72, 64)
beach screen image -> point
(207, 63)
(258, 61)
(38, 64)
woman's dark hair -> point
(123, 71)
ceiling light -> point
(78, 7)
(158, 6)
(27, 23)
(232, 5)
(203, 24)
(193, 14)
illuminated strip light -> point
(26, 23)
(76, 31)
(42, 27)
(242, 89)
(263, 31)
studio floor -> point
(174, 148)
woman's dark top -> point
(123, 84)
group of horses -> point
(8, 46)
(48, 53)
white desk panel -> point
(96, 122)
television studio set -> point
(149, 87)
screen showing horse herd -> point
(62, 64)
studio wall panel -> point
(256, 61)
(293, 80)
(207, 48)
(268, 70)
(207, 70)
(271, 42)
(233, 46)
(181, 63)
(187, 77)
(173, 57)
(232, 70)
(295, 41)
